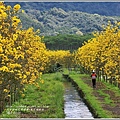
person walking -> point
(93, 76)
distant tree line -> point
(66, 41)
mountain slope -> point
(57, 21)
(102, 8)
(64, 18)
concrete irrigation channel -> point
(75, 106)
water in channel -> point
(74, 107)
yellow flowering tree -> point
(22, 55)
(59, 56)
(102, 52)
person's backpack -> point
(93, 76)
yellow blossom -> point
(23, 11)
(9, 95)
(6, 90)
(40, 73)
(4, 68)
(8, 7)
(24, 76)
(42, 81)
(27, 73)
(23, 95)
(0, 82)
(1, 50)
(17, 7)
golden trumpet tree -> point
(22, 54)
(102, 52)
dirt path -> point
(109, 99)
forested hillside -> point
(54, 18)
(57, 21)
(66, 42)
(102, 8)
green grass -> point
(106, 96)
(88, 91)
(112, 87)
(49, 95)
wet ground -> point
(74, 107)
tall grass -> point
(49, 96)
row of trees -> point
(23, 56)
(66, 42)
(102, 53)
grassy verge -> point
(112, 87)
(44, 102)
(92, 100)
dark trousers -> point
(94, 83)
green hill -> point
(57, 21)
(54, 18)
(103, 8)
(63, 27)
